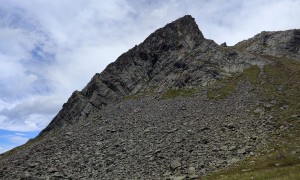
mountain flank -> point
(177, 106)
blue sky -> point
(48, 49)
(10, 139)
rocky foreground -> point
(149, 139)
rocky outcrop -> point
(279, 43)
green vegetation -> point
(242, 45)
(280, 83)
(139, 94)
(184, 92)
(228, 85)
(132, 96)
(276, 173)
(251, 74)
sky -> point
(50, 48)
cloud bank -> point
(48, 49)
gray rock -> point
(232, 161)
(27, 174)
(259, 111)
(232, 148)
(191, 171)
(33, 165)
(280, 44)
(241, 151)
(52, 170)
(177, 177)
(224, 44)
(58, 175)
(99, 143)
(295, 116)
(175, 164)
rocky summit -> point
(176, 106)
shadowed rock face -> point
(100, 133)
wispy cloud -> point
(18, 139)
(10, 139)
(4, 149)
(48, 49)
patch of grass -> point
(139, 94)
(228, 85)
(251, 74)
(276, 173)
(273, 159)
(132, 96)
(242, 45)
(283, 85)
(184, 92)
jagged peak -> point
(181, 34)
(182, 29)
(186, 22)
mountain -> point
(172, 57)
(176, 106)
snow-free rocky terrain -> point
(176, 106)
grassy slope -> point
(280, 83)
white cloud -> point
(30, 114)
(233, 21)
(20, 134)
(18, 139)
(8, 140)
(4, 149)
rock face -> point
(280, 43)
(128, 124)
